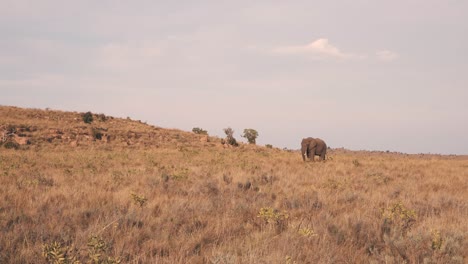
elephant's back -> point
(321, 143)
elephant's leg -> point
(323, 153)
(312, 154)
(322, 156)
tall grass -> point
(185, 201)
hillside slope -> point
(37, 127)
(143, 194)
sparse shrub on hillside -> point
(97, 249)
(336, 233)
(227, 179)
(230, 137)
(251, 135)
(397, 219)
(274, 217)
(102, 117)
(436, 240)
(269, 146)
(96, 134)
(11, 145)
(307, 232)
(7, 132)
(289, 260)
(356, 163)
(244, 186)
(200, 131)
(10, 129)
(57, 253)
(88, 117)
(139, 199)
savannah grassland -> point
(143, 194)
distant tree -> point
(230, 137)
(200, 131)
(251, 135)
(88, 117)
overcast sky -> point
(360, 74)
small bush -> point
(97, 134)
(139, 199)
(230, 137)
(307, 232)
(200, 131)
(11, 145)
(399, 218)
(88, 117)
(10, 129)
(57, 253)
(274, 217)
(251, 135)
(97, 251)
(102, 117)
(269, 146)
(356, 163)
(232, 142)
(436, 239)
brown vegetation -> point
(152, 195)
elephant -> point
(311, 147)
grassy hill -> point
(118, 190)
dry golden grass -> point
(163, 196)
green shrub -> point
(88, 117)
(97, 134)
(274, 217)
(10, 129)
(200, 131)
(398, 218)
(55, 252)
(269, 146)
(11, 145)
(139, 199)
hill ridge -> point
(28, 127)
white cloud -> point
(387, 55)
(319, 47)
